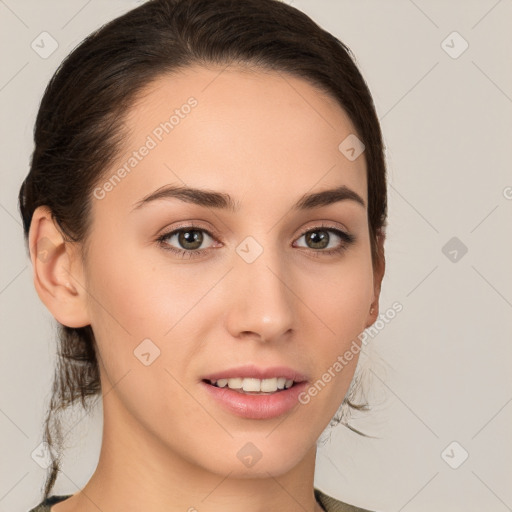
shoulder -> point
(333, 505)
(45, 505)
(328, 503)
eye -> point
(188, 239)
(326, 240)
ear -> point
(378, 274)
(58, 271)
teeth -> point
(251, 385)
(269, 385)
(235, 383)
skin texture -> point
(266, 139)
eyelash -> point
(347, 240)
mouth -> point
(254, 392)
(256, 399)
(253, 386)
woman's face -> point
(273, 291)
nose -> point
(261, 299)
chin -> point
(258, 455)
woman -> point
(205, 215)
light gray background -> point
(441, 368)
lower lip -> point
(256, 407)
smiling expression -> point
(237, 247)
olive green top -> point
(328, 504)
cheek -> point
(134, 299)
(341, 295)
(128, 292)
(124, 308)
(341, 301)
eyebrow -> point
(220, 200)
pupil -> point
(193, 237)
(319, 242)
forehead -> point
(249, 132)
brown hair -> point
(79, 127)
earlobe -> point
(57, 271)
(373, 313)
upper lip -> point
(255, 372)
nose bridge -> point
(262, 302)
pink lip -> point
(252, 371)
(256, 407)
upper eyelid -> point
(184, 226)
